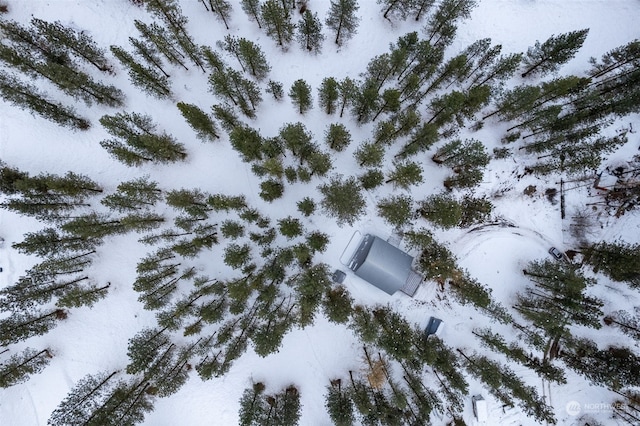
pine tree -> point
(369, 154)
(271, 190)
(339, 405)
(169, 11)
(337, 304)
(204, 126)
(146, 78)
(20, 326)
(399, 8)
(371, 179)
(300, 94)
(140, 141)
(89, 393)
(615, 367)
(348, 90)
(555, 51)
(276, 89)
(617, 260)
(342, 199)
(328, 94)
(222, 9)
(365, 101)
(28, 97)
(243, 93)
(421, 7)
(149, 53)
(337, 136)
(396, 210)
(405, 174)
(248, 142)
(290, 227)
(252, 406)
(306, 206)
(252, 9)
(49, 241)
(191, 201)
(309, 32)
(249, 56)
(20, 366)
(441, 27)
(341, 19)
(133, 195)
(78, 43)
(162, 40)
(277, 22)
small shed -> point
(432, 326)
(385, 266)
(480, 409)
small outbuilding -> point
(432, 326)
(480, 409)
(385, 266)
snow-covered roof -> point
(381, 264)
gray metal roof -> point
(381, 264)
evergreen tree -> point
(405, 174)
(79, 43)
(169, 11)
(50, 241)
(557, 299)
(222, 9)
(249, 56)
(271, 189)
(337, 136)
(365, 101)
(88, 394)
(276, 89)
(339, 405)
(421, 7)
(137, 194)
(243, 93)
(441, 28)
(306, 206)
(309, 32)
(615, 367)
(369, 154)
(26, 96)
(461, 155)
(226, 115)
(396, 210)
(371, 179)
(163, 41)
(191, 201)
(139, 142)
(421, 139)
(149, 53)
(628, 324)
(504, 384)
(342, 199)
(252, 9)
(252, 405)
(342, 20)
(328, 94)
(204, 126)
(618, 260)
(290, 227)
(399, 8)
(20, 366)
(20, 326)
(277, 22)
(337, 304)
(348, 90)
(554, 52)
(300, 94)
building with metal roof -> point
(385, 266)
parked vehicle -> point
(556, 253)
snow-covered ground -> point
(95, 339)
